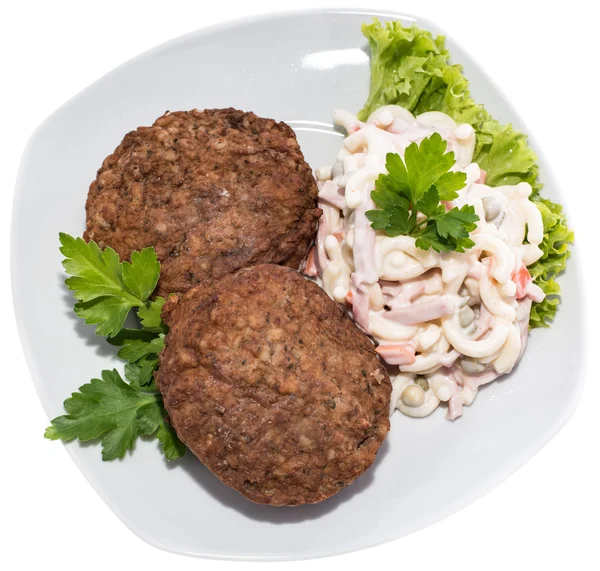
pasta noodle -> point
(450, 322)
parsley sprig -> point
(116, 412)
(418, 185)
(109, 408)
(107, 289)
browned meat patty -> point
(213, 191)
(272, 386)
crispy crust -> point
(272, 386)
(213, 191)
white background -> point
(545, 57)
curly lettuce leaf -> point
(410, 68)
(505, 156)
(555, 248)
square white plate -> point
(296, 68)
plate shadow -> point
(228, 497)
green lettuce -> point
(409, 67)
(555, 248)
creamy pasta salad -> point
(445, 322)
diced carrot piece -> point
(521, 277)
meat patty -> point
(213, 191)
(272, 386)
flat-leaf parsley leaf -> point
(418, 185)
(110, 409)
(149, 315)
(106, 288)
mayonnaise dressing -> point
(449, 321)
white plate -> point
(296, 68)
